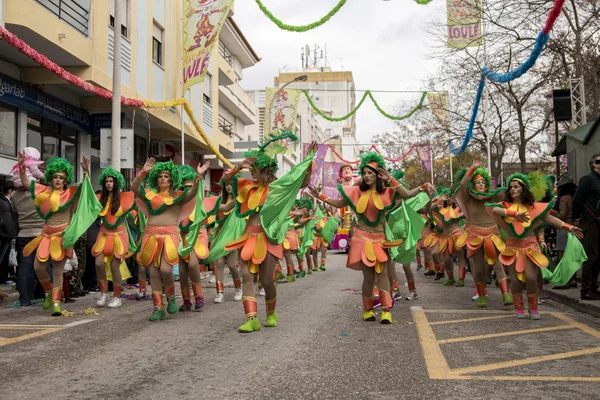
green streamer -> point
(360, 103)
(300, 28)
(423, 2)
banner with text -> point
(330, 178)
(284, 111)
(317, 166)
(424, 152)
(202, 22)
(438, 104)
(464, 23)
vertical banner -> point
(438, 104)
(464, 23)
(424, 152)
(330, 175)
(201, 24)
(284, 111)
(317, 166)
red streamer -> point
(42, 60)
(340, 157)
(553, 15)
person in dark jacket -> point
(586, 209)
(8, 227)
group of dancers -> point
(256, 224)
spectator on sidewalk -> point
(8, 227)
(30, 227)
(586, 208)
(564, 205)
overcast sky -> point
(381, 42)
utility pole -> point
(115, 158)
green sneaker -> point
(172, 307)
(449, 282)
(309, 271)
(290, 278)
(56, 311)
(322, 268)
(157, 315)
(507, 299)
(315, 269)
(279, 276)
(482, 302)
(272, 320)
(461, 282)
(47, 302)
(252, 325)
(301, 274)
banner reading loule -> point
(438, 104)
(202, 22)
(330, 179)
(284, 112)
(464, 23)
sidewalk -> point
(571, 298)
(12, 293)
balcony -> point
(226, 54)
(225, 65)
(226, 126)
(71, 11)
(237, 102)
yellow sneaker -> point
(386, 317)
(251, 325)
(369, 316)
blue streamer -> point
(469, 134)
(540, 43)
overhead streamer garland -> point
(540, 43)
(42, 60)
(300, 28)
(374, 148)
(362, 100)
(423, 2)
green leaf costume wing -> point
(86, 214)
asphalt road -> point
(321, 350)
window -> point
(123, 12)
(8, 130)
(139, 153)
(207, 89)
(158, 35)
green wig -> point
(368, 157)
(551, 181)
(308, 203)
(485, 175)
(460, 174)
(116, 175)
(262, 160)
(538, 185)
(272, 145)
(521, 177)
(57, 164)
(441, 190)
(169, 167)
(187, 173)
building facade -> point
(39, 109)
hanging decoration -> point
(368, 94)
(300, 28)
(20, 45)
(540, 43)
(374, 148)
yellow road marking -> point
(5, 341)
(524, 361)
(579, 325)
(456, 321)
(501, 334)
(435, 360)
(438, 367)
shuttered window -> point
(123, 12)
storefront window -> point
(8, 130)
(50, 148)
(34, 139)
(69, 151)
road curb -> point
(7, 301)
(588, 307)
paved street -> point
(439, 346)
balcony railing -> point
(226, 126)
(225, 53)
(71, 11)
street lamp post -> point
(550, 102)
(302, 78)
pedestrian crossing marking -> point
(438, 367)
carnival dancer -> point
(519, 215)
(267, 201)
(447, 247)
(112, 244)
(162, 205)
(306, 233)
(371, 201)
(56, 204)
(189, 264)
(228, 226)
(428, 240)
(319, 244)
(481, 236)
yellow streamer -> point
(188, 110)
